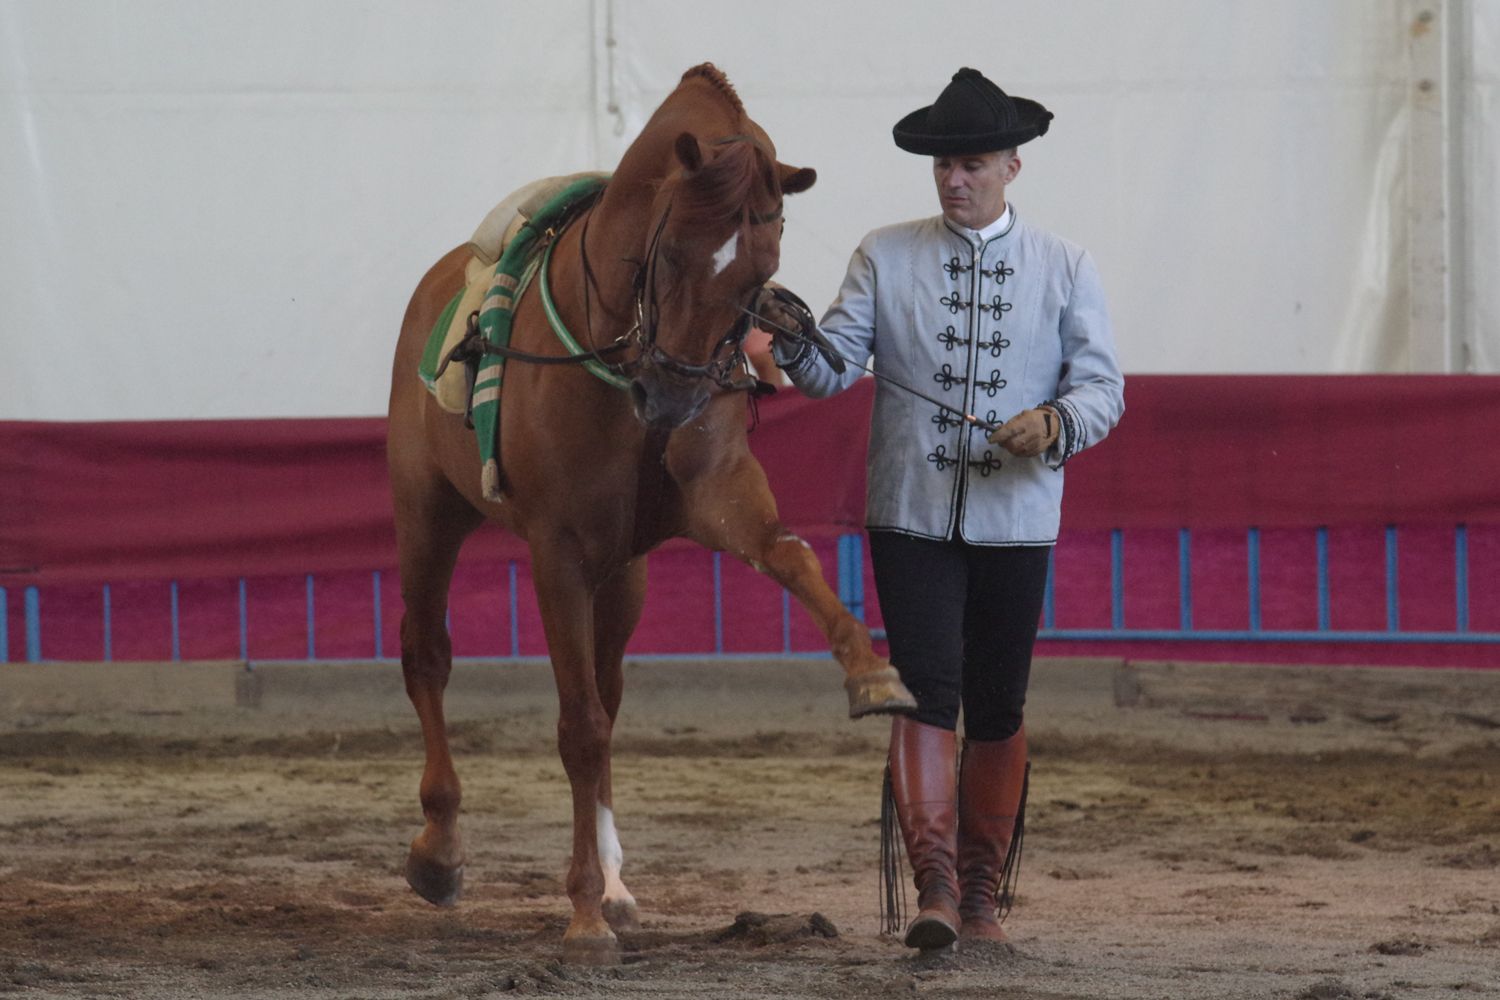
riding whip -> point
(821, 344)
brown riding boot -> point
(922, 785)
(991, 795)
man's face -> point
(971, 188)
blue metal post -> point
(1184, 580)
(1252, 546)
(1460, 580)
(4, 627)
(244, 623)
(718, 602)
(1392, 612)
(1324, 597)
(176, 627)
(1049, 609)
(854, 558)
(33, 625)
(515, 624)
(1117, 579)
(108, 632)
(786, 620)
(375, 586)
(311, 629)
(843, 570)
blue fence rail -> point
(851, 590)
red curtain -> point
(119, 501)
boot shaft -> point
(924, 786)
(991, 797)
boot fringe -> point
(892, 876)
(1010, 871)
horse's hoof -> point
(593, 950)
(878, 692)
(622, 915)
(438, 885)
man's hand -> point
(778, 319)
(778, 306)
(1028, 433)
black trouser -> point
(961, 620)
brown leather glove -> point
(1028, 433)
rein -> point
(810, 337)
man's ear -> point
(689, 152)
(795, 180)
(1012, 168)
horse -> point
(656, 274)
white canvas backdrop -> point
(213, 209)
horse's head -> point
(715, 241)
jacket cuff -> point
(1070, 437)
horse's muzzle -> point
(664, 401)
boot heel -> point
(930, 932)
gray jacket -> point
(995, 326)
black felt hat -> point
(971, 115)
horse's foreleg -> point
(583, 732)
(737, 514)
(429, 535)
(617, 610)
(872, 683)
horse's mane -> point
(721, 189)
(716, 78)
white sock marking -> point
(611, 857)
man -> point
(1002, 320)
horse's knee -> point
(583, 740)
(426, 652)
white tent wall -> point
(213, 209)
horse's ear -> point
(689, 152)
(795, 180)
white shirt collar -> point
(996, 228)
(999, 226)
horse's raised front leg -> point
(431, 523)
(583, 733)
(617, 610)
(737, 513)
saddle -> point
(451, 389)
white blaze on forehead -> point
(725, 255)
(611, 856)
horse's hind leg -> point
(617, 610)
(432, 521)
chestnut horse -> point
(682, 239)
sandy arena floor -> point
(1192, 833)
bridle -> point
(727, 357)
(725, 366)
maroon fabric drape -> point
(118, 501)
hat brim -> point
(913, 134)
